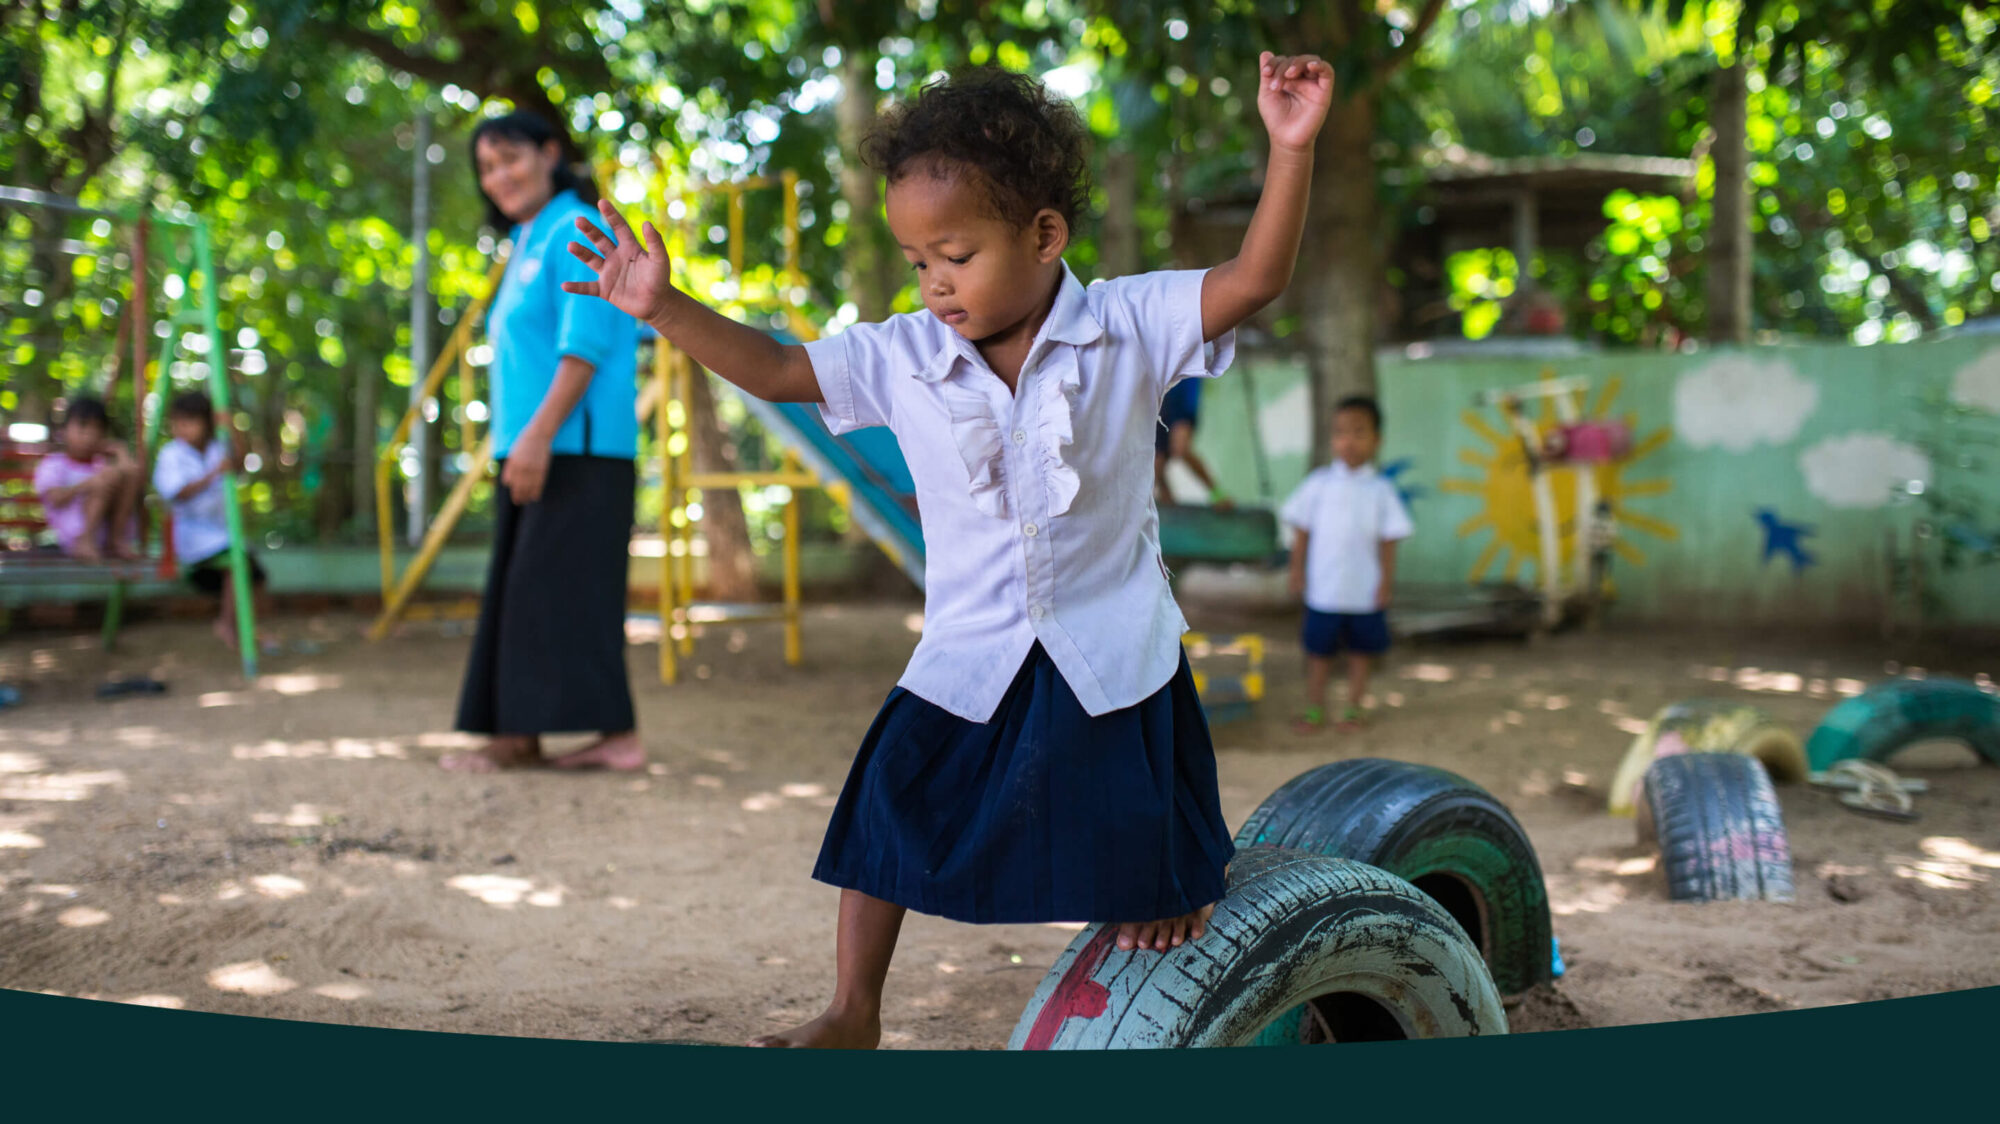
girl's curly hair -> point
(1030, 147)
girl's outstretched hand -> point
(1293, 93)
(636, 280)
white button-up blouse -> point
(1037, 508)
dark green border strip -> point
(1916, 1059)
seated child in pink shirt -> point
(91, 487)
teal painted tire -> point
(1303, 949)
(1889, 716)
(1442, 833)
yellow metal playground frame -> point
(664, 401)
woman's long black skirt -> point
(549, 656)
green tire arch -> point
(1440, 832)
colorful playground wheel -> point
(1888, 716)
(1447, 836)
(1720, 832)
(1305, 949)
(1707, 726)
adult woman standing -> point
(549, 655)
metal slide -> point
(863, 471)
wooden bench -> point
(33, 570)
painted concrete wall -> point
(1758, 488)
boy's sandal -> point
(1351, 719)
(1312, 721)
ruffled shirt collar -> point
(1052, 379)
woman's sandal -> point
(1311, 722)
(1351, 720)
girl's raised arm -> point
(638, 281)
(1293, 94)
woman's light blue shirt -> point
(533, 324)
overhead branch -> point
(1412, 40)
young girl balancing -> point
(1044, 756)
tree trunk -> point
(333, 499)
(1339, 276)
(1118, 238)
(365, 421)
(732, 568)
(871, 264)
(1729, 240)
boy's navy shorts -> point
(1328, 634)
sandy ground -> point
(292, 849)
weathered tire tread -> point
(1720, 830)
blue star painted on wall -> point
(1785, 538)
(1394, 472)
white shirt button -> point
(1037, 612)
(1020, 435)
(1031, 530)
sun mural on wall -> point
(1506, 494)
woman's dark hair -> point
(1364, 404)
(524, 127)
(193, 405)
(87, 409)
(1029, 147)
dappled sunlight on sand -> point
(1589, 897)
(1428, 672)
(344, 991)
(340, 749)
(15, 833)
(299, 684)
(301, 815)
(1765, 681)
(251, 977)
(58, 786)
(169, 1002)
(81, 917)
(13, 762)
(278, 886)
(814, 794)
(507, 892)
(1623, 868)
(1949, 863)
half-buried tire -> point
(1888, 716)
(1442, 833)
(1707, 726)
(1304, 949)
(1721, 835)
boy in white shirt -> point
(1346, 520)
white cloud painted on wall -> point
(1286, 421)
(1737, 403)
(1857, 470)
(1977, 384)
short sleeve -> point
(1298, 509)
(851, 368)
(173, 471)
(48, 475)
(586, 327)
(1164, 308)
(1395, 518)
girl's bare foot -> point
(835, 1030)
(1167, 933)
(226, 632)
(500, 753)
(617, 752)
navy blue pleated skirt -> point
(1043, 813)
